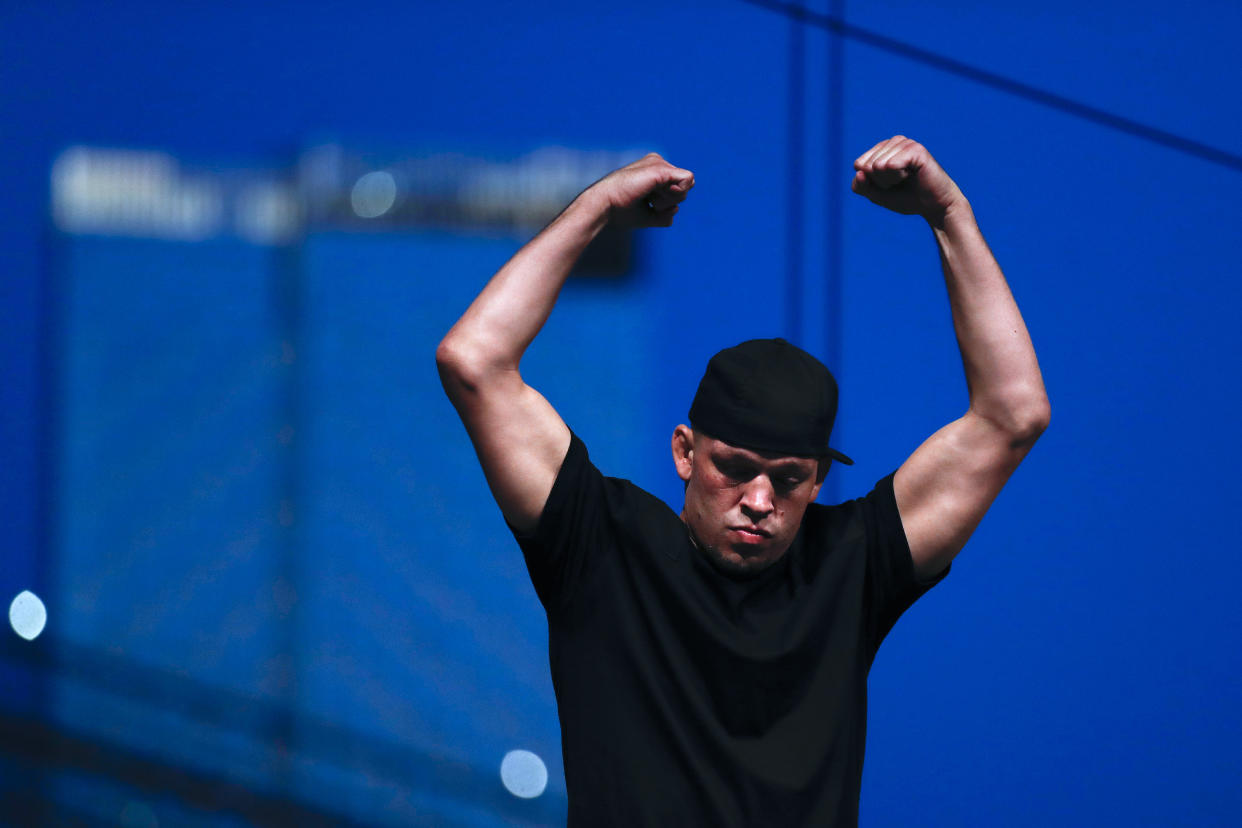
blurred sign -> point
(147, 194)
(142, 194)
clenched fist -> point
(645, 193)
(901, 174)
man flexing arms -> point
(710, 664)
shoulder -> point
(851, 517)
(860, 524)
(630, 508)
(640, 517)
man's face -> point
(743, 507)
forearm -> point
(519, 437)
(1002, 372)
(945, 487)
(505, 317)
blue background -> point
(274, 576)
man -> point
(710, 667)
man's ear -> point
(683, 451)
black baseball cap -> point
(768, 395)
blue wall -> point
(281, 569)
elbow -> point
(455, 365)
(1030, 420)
(1022, 417)
(448, 355)
(1036, 421)
(464, 366)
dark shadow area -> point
(48, 748)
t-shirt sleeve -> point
(891, 583)
(571, 528)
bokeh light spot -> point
(27, 615)
(524, 774)
(373, 194)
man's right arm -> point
(518, 436)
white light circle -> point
(524, 774)
(373, 194)
(27, 615)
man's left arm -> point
(946, 486)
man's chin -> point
(745, 561)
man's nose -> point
(757, 499)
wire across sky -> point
(1077, 109)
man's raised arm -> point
(519, 437)
(945, 487)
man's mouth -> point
(750, 534)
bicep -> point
(945, 487)
(519, 438)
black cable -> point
(835, 186)
(1162, 137)
(795, 218)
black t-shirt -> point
(691, 698)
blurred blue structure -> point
(278, 590)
